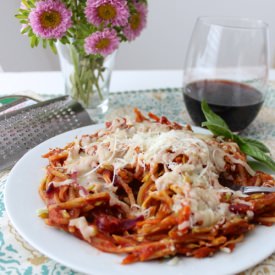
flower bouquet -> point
(86, 34)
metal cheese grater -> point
(23, 129)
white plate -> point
(22, 201)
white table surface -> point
(52, 82)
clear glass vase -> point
(87, 78)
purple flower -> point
(137, 22)
(50, 19)
(113, 12)
(102, 42)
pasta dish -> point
(151, 188)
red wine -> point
(237, 103)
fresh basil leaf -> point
(257, 144)
(250, 147)
(252, 142)
(257, 154)
(218, 130)
(211, 116)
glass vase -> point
(87, 77)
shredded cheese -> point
(140, 144)
(87, 231)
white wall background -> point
(161, 46)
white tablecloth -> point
(52, 82)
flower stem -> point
(86, 76)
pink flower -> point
(50, 19)
(137, 22)
(113, 12)
(102, 42)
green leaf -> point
(30, 33)
(44, 43)
(211, 116)
(37, 41)
(25, 30)
(257, 144)
(33, 41)
(257, 154)
(24, 21)
(21, 16)
(64, 40)
(32, 2)
(218, 130)
(26, 4)
(24, 12)
(52, 46)
(250, 147)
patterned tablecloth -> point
(18, 257)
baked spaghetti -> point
(151, 188)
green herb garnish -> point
(250, 147)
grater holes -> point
(25, 130)
(14, 138)
(27, 145)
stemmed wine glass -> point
(227, 64)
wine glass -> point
(227, 64)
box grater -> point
(23, 129)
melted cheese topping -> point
(146, 143)
(61, 183)
(87, 231)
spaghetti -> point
(152, 188)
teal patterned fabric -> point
(17, 257)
